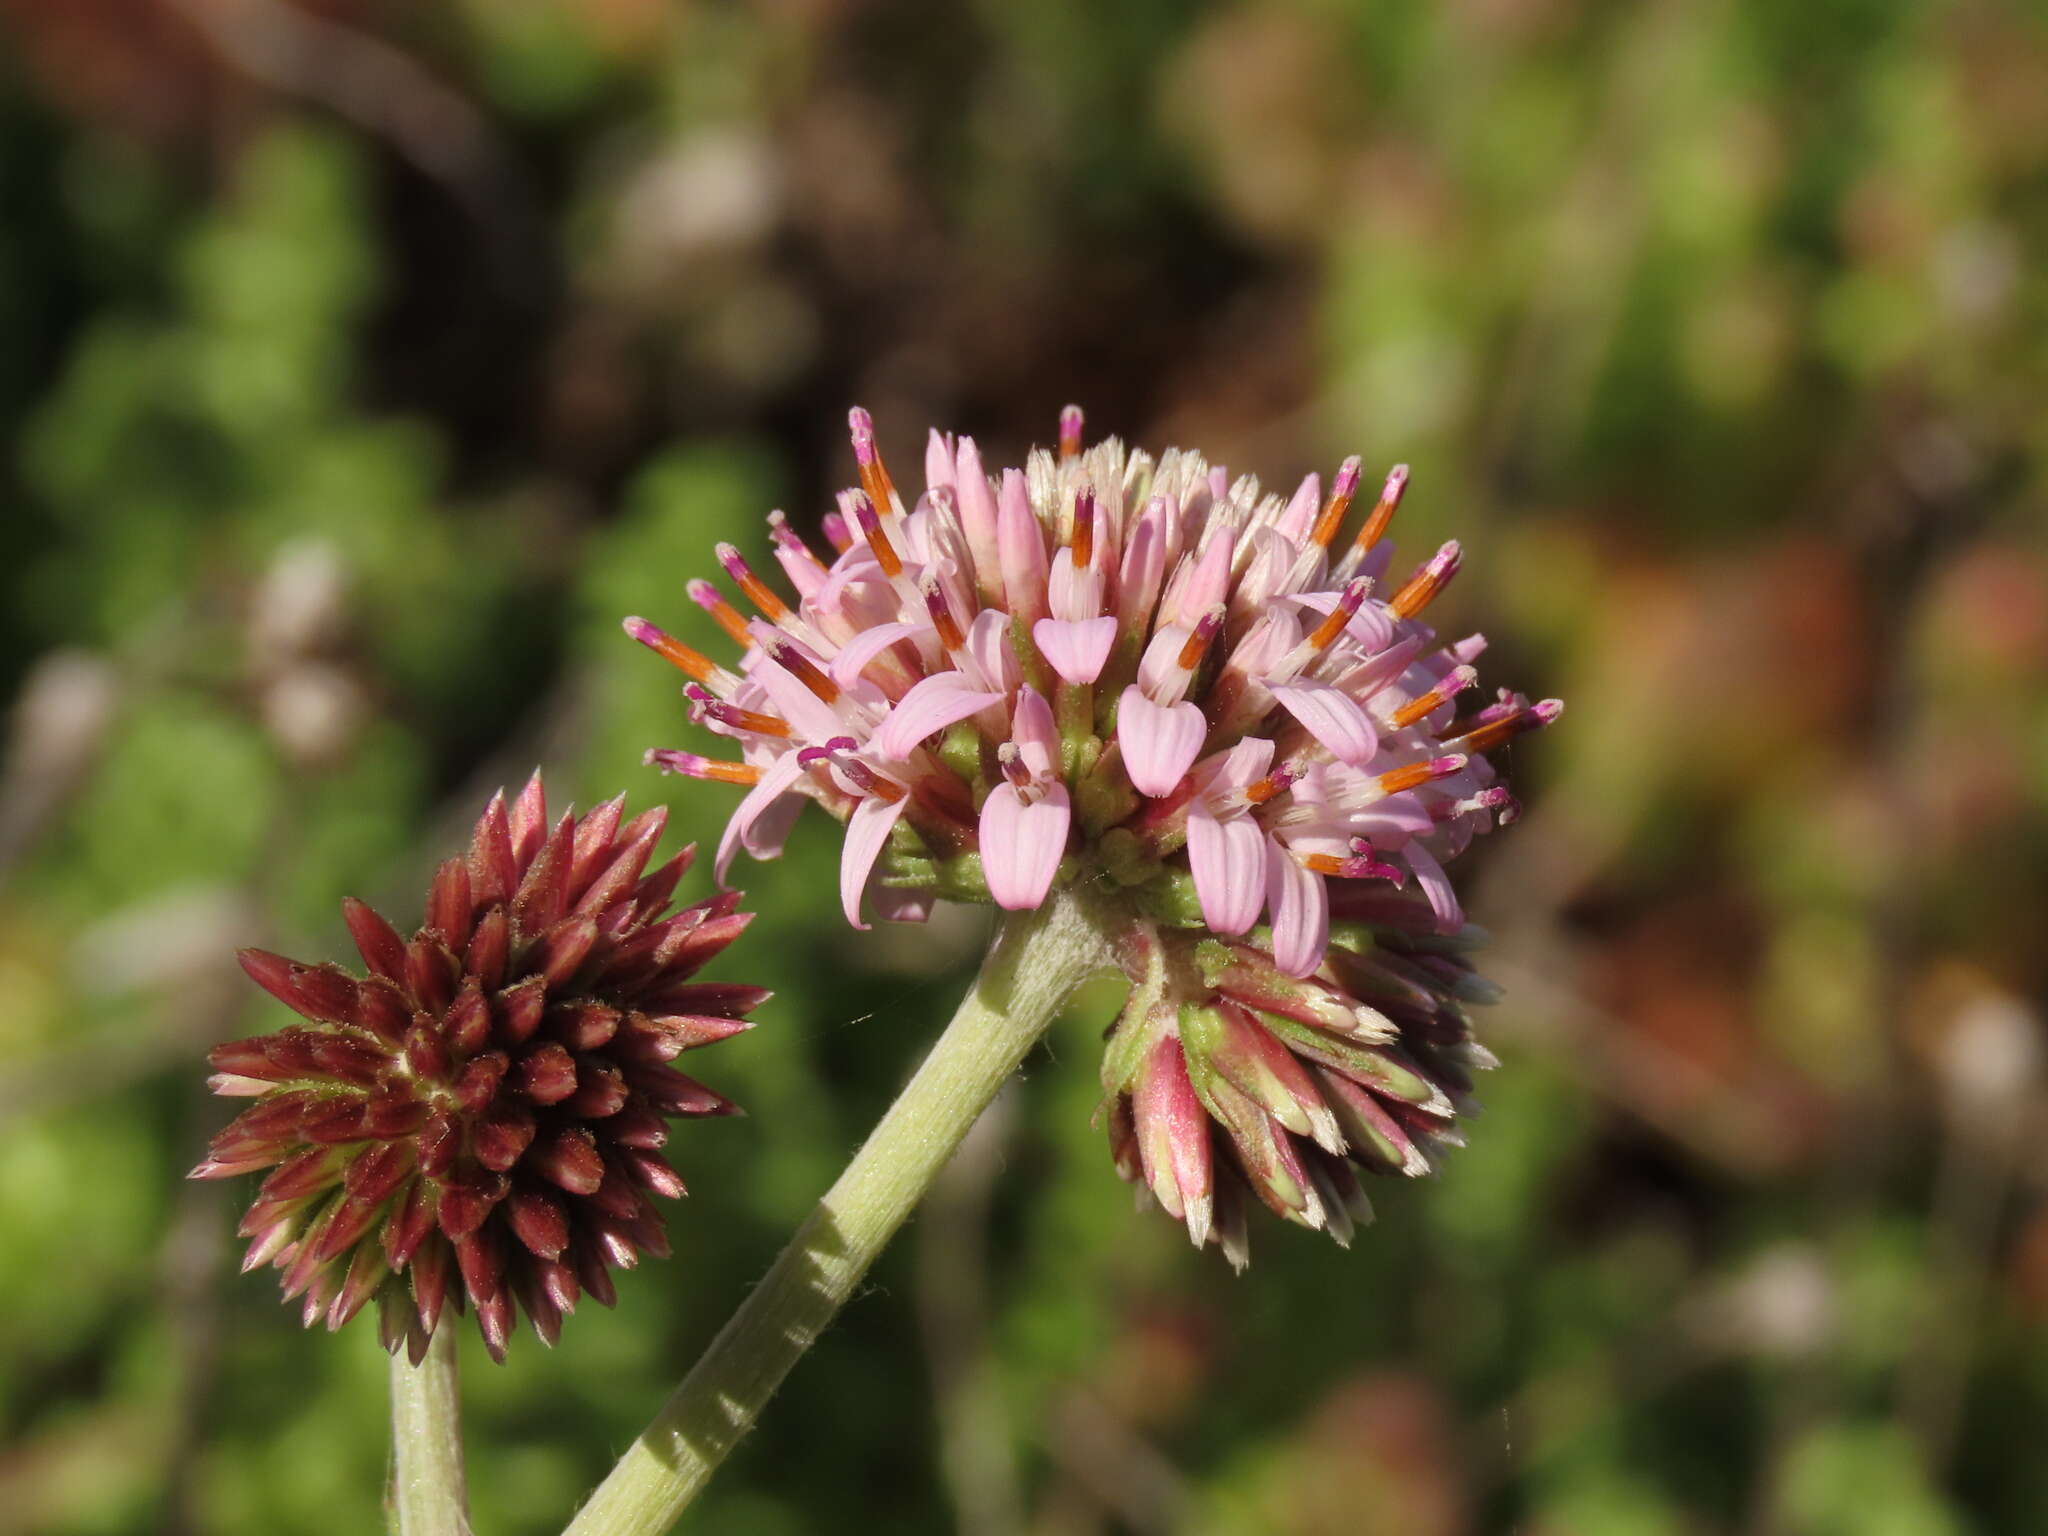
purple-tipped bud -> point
(1072, 424)
(427, 1140)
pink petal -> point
(1076, 650)
(895, 904)
(1229, 862)
(812, 717)
(978, 519)
(1144, 565)
(1073, 594)
(854, 656)
(867, 833)
(1272, 562)
(1033, 730)
(1300, 515)
(1363, 680)
(1159, 667)
(857, 567)
(988, 642)
(932, 704)
(773, 786)
(1333, 718)
(1371, 626)
(1299, 909)
(1021, 845)
(770, 830)
(1313, 787)
(1021, 543)
(798, 567)
(1390, 822)
(1160, 741)
(1274, 635)
(938, 460)
(1242, 766)
(1436, 885)
(1466, 651)
(1211, 578)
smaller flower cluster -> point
(479, 1119)
(1227, 1077)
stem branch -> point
(1037, 961)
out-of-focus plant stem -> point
(429, 1493)
(1037, 961)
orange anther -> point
(800, 666)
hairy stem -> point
(1036, 962)
(429, 1494)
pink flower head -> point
(1101, 661)
(1232, 723)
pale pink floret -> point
(1299, 910)
(1025, 818)
(1277, 713)
(867, 833)
(1333, 717)
(1077, 638)
(932, 704)
(1226, 844)
(1160, 741)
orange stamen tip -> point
(800, 667)
(1454, 683)
(671, 650)
(1424, 585)
(950, 634)
(1383, 512)
(871, 527)
(757, 591)
(758, 723)
(694, 766)
(1353, 598)
(1341, 494)
(1071, 422)
(1326, 633)
(874, 475)
(1196, 643)
(1084, 529)
(1408, 714)
(1395, 780)
(876, 482)
(1266, 788)
(1492, 733)
(727, 617)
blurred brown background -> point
(364, 361)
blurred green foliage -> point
(367, 362)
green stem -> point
(429, 1494)
(1037, 961)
